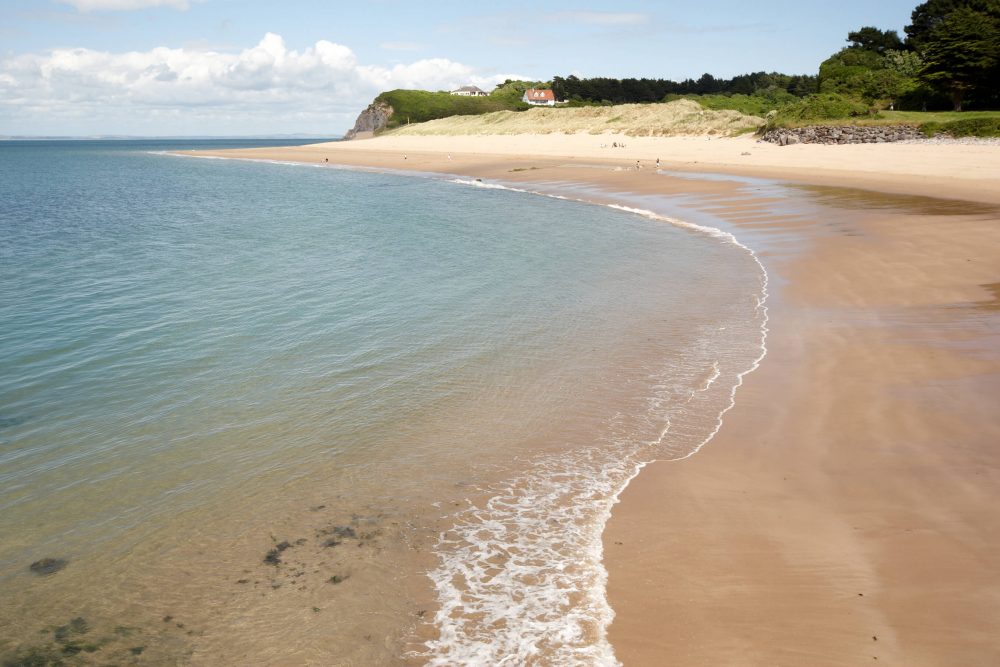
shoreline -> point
(961, 171)
(824, 524)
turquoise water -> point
(202, 357)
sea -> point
(279, 414)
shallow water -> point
(254, 406)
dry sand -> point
(848, 511)
(964, 171)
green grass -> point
(920, 117)
(417, 106)
(955, 123)
(833, 109)
(752, 105)
(981, 126)
(818, 109)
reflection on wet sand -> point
(852, 198)
(992, 303)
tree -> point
(961, 52)
(895, 79)
(927, 16)
(800, 86)
(846, 71)
(870, 38)
(905, 63)
(708, 85)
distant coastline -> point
(199, 137)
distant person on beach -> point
(326, 159)
(657, 163)
(637, 165)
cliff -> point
(371, 120)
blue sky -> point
(224, 67)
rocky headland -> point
(371, 120)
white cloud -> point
(268, 82)
(124, 5)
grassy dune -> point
(681, 117)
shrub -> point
(820, 107)
(758, 104)
(967, 127)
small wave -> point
(487, 185)
(710, 380)
(761, 306)
(521, 579)
(287, 163)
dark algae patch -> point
(273, 557)
(35, 656)
(11, 422)
(48, 566)
(345, 532)
(67, 641)
(80, 642)
(78, 626)
(303, 565)
(317, 570)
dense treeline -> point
(950, 58)
(623, 91)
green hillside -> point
(417, 106)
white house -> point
(539, 97)
(469, 91)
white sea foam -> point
(761, 308)
(287, 163)
(521, 579)
(486, 185)
(709, 381)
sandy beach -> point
(847, 511)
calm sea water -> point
(275, 414)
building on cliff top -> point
(539, 97)
(469, 91)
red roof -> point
(540, 95)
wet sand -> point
(846, 512)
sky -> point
(269, 67)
